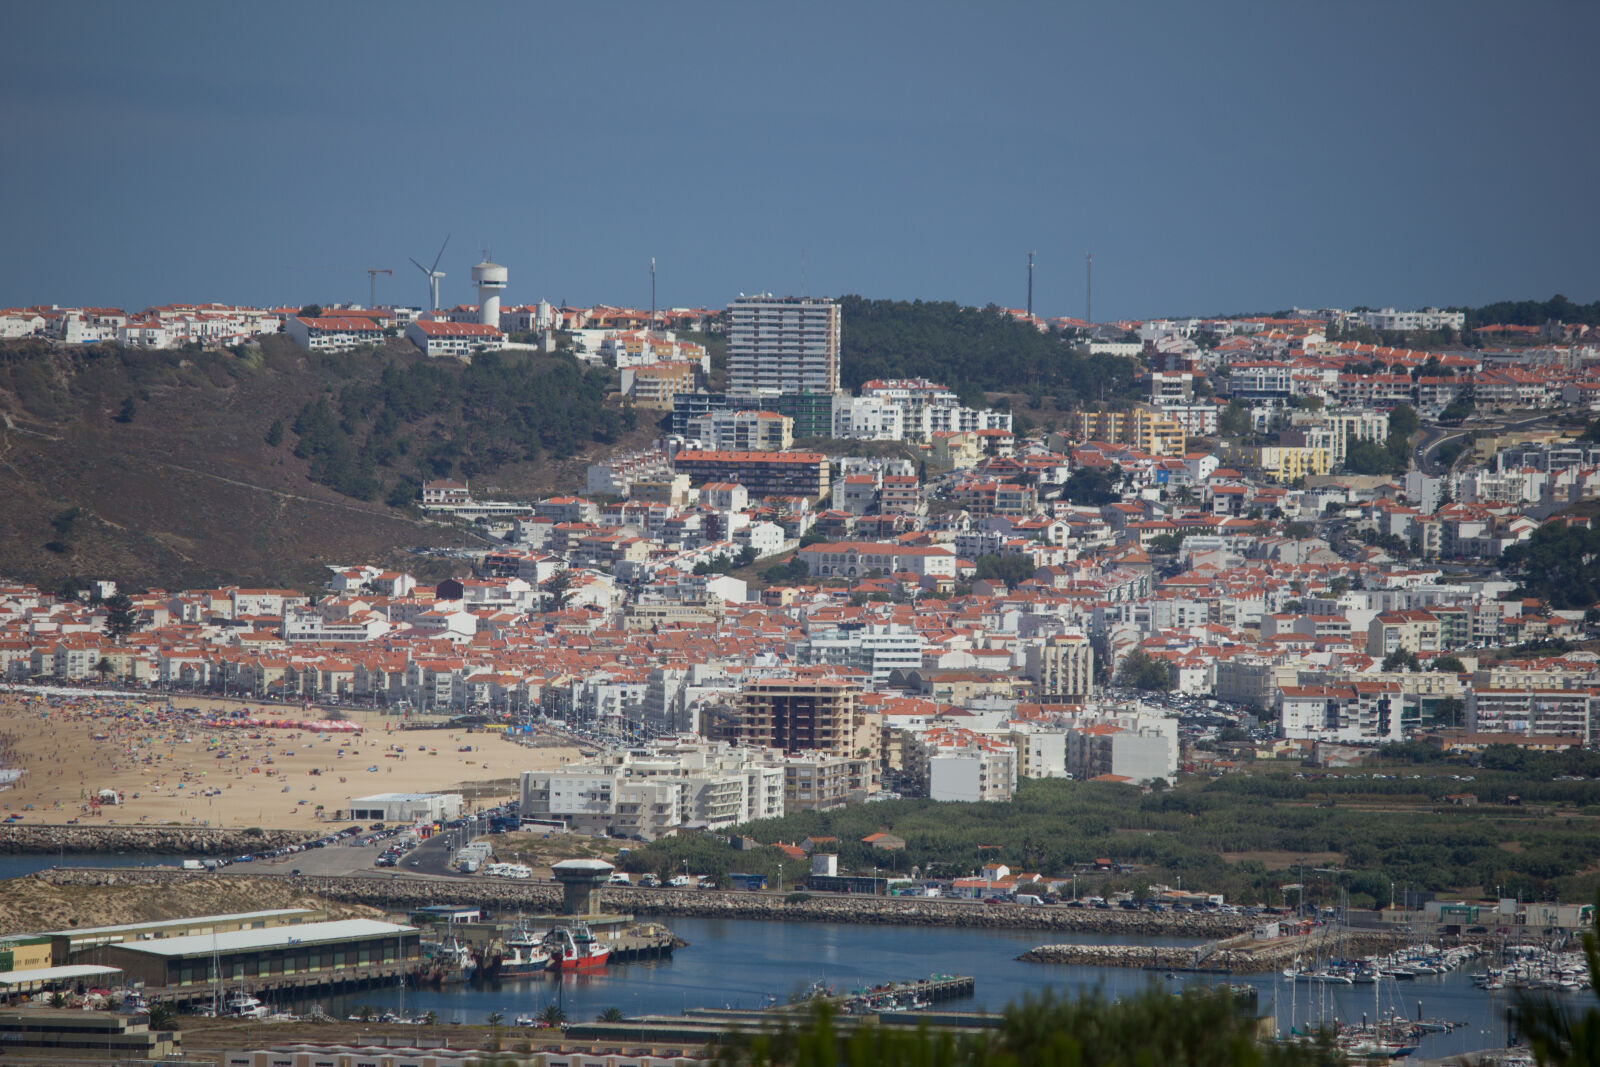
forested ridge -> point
(1532, 312)
(971, 349)
(434, 419)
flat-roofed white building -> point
(407, 807)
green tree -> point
(1450, 664)
(1450, 713)
(610, 1015)
(553, 1015)
(275, 433)
(1012, 570)
(162, 1016)
(121, 617)
(1093, 486)
(1234, 420)
(311, 311)
(1401, 659)
(1560, 563)
(1403, 421)
(1456, 412)
(1198, 1028)
(126, 413)
(560, 590)
(1140, 670)
(65, 522)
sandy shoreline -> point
(170, 769)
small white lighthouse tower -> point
(490, 278)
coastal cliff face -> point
(23, 839)
(401, 892)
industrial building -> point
(407, 807)
(68, 945)
(76, 1035)
(23, 953)
(39, 979)
(347, 951)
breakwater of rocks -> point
(1233, 956)
(24, 839)
(401, 892)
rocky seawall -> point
(1234, 956)
(398, 892)
(23, 839)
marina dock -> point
(884, 1005)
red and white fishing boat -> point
(575, 948)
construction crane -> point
(372, 285)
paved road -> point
(1435, 437)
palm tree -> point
(1556, 1033)
(610, 1015)
(553, 1015)
(162, 1016)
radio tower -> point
(1088, 288)
(652, 292)
(1030, 284)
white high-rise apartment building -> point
(783, 344)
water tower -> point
(490, 278)
(581, 881)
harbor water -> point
(748, 964)
(23, 864)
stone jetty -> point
(1235, 955)
(43, 839)
(399, 891)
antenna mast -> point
(652, 291)
(1030, 284)
(1088, 288)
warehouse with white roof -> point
(285, 957)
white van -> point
(1029, 899)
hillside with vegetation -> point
(974, 350)
(1532, 312)
(263, 464)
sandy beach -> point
(168, 767)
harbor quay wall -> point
(406, 892)
(44, 838)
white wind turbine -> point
(434, 274)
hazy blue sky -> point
(1215, 156)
